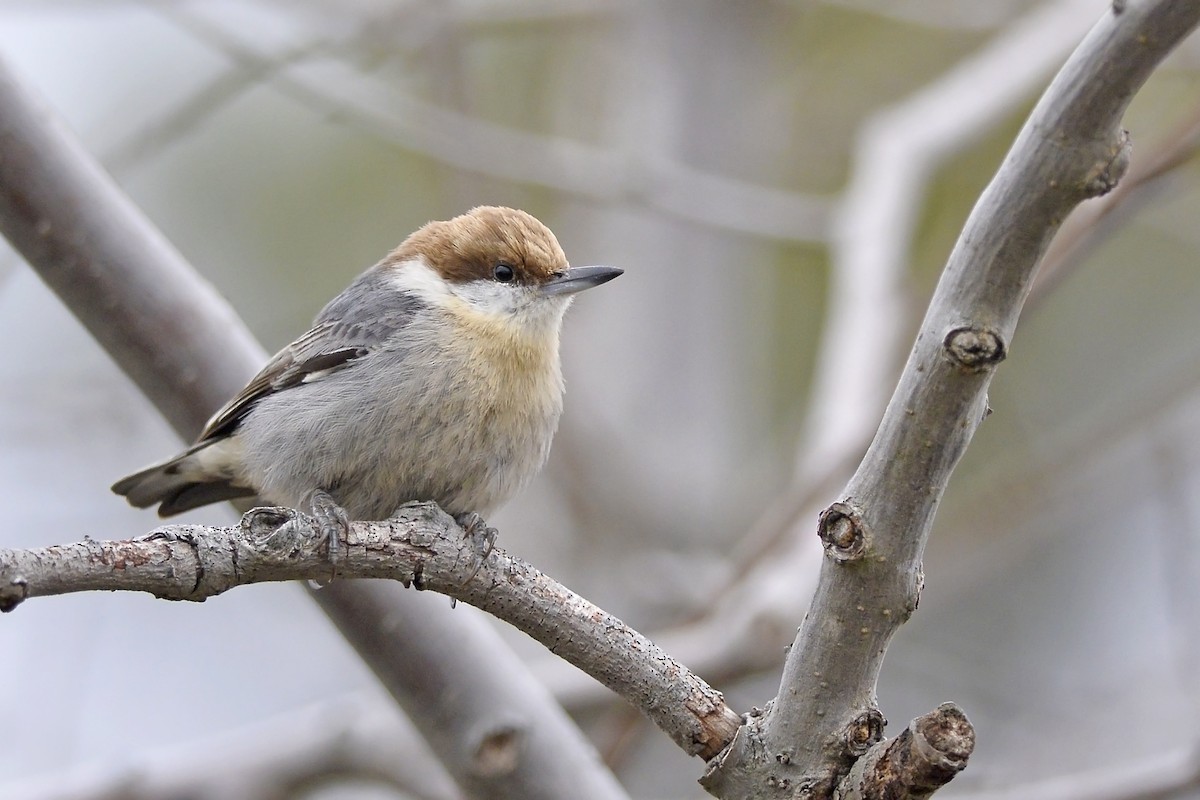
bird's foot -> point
(334, 525)
(482, 538)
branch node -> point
(864, 731)
(1104, 177)
(498, 751)
(279, 530)
(974, 349)
(842, 532)
(177, 533)
(13, 592)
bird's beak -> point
(577, 279)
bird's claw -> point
(482, 537)
(334, 525)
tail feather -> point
(194, 478)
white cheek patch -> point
(418, 279)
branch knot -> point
(945, 739)
(842, 532)
(12, 592)
(863, 732)
(279, 530)
(974, 349)
(1105, 176)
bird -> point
(434, 376)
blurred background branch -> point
(351, 738)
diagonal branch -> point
(751, 619)
(825, 715)
(164, 325)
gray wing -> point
(355, 322)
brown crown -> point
(469, 247)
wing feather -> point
(332, 344)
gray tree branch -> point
(186, 349)
(420, 546)
(751, 619)
(825, 716)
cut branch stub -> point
(842, 532)
(945, 740)
(975, 348)
(923, 758)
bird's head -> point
(499, 266)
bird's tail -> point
(198, 476)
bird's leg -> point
(333, 522)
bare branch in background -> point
(825, 715)
(1174, 773)
(186, 116)
(1091, 222)
(898, 151)
(569, 166)
(188, 352)
(355, 737)
(167, 328)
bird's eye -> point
(503, 273)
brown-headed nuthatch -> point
(434, 376)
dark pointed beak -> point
(577, 279)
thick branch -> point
(1071, 148)
(166, 327)
(420, 546)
